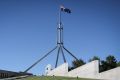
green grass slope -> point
(52, 78)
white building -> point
(48, 69)
(89, 70)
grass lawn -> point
(52, 78)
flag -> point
(65, 9)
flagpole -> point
(60, 45)
(60, 30)
(60, 16)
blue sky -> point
(28, 31)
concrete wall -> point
(61, 70)
(113, 74)
(86, 71)
(89, 70)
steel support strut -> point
(71, 54)
(63, 55)
(40, 59)
(57, 57)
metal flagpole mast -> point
(59, 37)
(60, 45)
(60, 30)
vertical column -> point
(60, 34)
(60, 31)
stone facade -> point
(89, 70)
(113, 74)
(61, 70)
(85, 71)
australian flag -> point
(65, 9)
